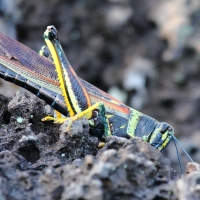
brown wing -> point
(42, 71)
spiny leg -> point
(76, 97)
(58, 117)
(60, 61)
(74, 93)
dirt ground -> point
(148, 50)
(42, 161)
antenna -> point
(175, 140)
(179, 160)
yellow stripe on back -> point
(60, 75)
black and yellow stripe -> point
(75, 95)
(37, 74)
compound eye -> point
(170, 129)
(164, 127)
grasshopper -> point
(73, 97)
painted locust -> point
(74, 97)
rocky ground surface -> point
(146, 53)
(149, 51)
(40, 160)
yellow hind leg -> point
(86, 113)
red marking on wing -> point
(98, 95)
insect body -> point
(74, 97)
